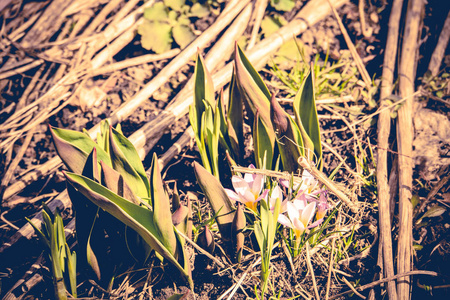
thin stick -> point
(202, 251)
(352, 288)
(176, 148)
(260, 9)
(135, 61)
(439, 51)
(311, 270)
(375, 283)
(354, 206)
(327, 293)
(404, 140)
(359, 64)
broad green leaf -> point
(263, 144)
(198, 10)
(162, 220)
(157, 12)
(306, 116)
(73, 148)
(289, 140)
(254, 90)
(199, 137)
(235, 119)
(283, 5)
(114, 181)
(174, 4)
(127, 162)
(259, 234)
(183, 35)
(434, 211)
(270, 24)
(138, 218)
(156, 36)
(218, 199)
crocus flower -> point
(322, 205)
(277, 193)
(307, 185)
(247, 190)
(299, 215)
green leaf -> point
(306, 116)
(162, 220)
(434, 211)
(174, 4)
(235, 120)
(263, 144)
(156, 36)
(114, 181)
(183, 35)
(270, 24)
(73, 148)
(259, 234)
(289, 140)
(127, 162)
(254, 90)
(157, 12)
(138, 218)
(218, 199)
(198, 11)
(283, 5)
(203, 88)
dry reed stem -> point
(101, 17)
(311, 270)
(135, 61)
(383, 130)
(439, 51)
(176, 147)
(330, 267)
(404, 140)
(260, 9)
(359, 64)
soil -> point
(357, 147)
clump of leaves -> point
(63, 260)
(169, 21)
(112, 194)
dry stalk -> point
(404, 140)
(260, 9)
(439, 51)
(383, 130)
(359, 64)
(311, 270)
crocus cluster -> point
(297, 213)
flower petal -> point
(283, 220)
(308, 213)
(239, 184)
(232, 195)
